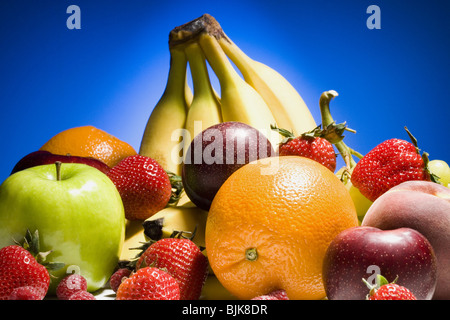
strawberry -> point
(69, 285)
(388, 164)
(312, 145)
(383, 290)
(182, 259)
(144, 186)
(149, 284)
(22, 266)
(117, 278)
(82, 295)
(26, 293)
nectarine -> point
(425, 207)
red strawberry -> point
(312, 145)
(26, 293)
(274, 295)
(384, 290)
(183, 260)
(143, 184)
(117, 278)
(149, 284)
(24, 265)
(18, 268)
(390, 163)
(392, 291)
(69, 285)
(82, 295)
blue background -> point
(111, 73)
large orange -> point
(89, 141)
(268, 231)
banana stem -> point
(206, 31)
(327, 119)
(193, 29)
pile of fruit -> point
(234, 194)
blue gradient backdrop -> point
(111, 73)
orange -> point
(268, 231)
(88, 141)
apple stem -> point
(58, 170)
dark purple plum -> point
(215, 154)
(42, 157)
(362, 252)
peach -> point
(425, 207)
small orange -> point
(89, 141)
(269, 231)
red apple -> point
(40, 157)
(217, 152)
(362, 252)
(425, 207)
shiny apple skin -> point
(202, 179)
(42, 157)
(402, 252)
(80, 218)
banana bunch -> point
(250, 92)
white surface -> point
(105, 294)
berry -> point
(19, 268)
(149, 284)
(183, 260)
(383, 290)
(144, 186)
(69, 285)
(388, 164)
(26, 293)
(82, 295)
(118, 277)
(312, 145)
(392, 291)
(274, 295)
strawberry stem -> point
(177, 187)
(413, 140)
(424, 156)
(288, 135)
(379, 282)
(31, 244)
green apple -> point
(78, 213)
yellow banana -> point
(239, 101)
(286, 104)
(204, 110)
(163, 139)
(134, 238)
(188, 95)
(187, 218)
